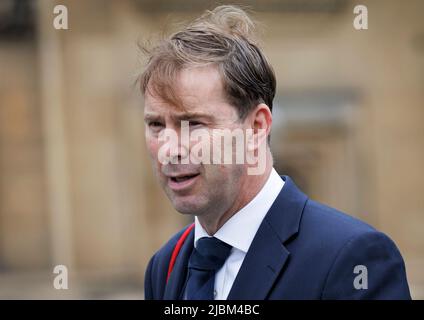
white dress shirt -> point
(239, 232)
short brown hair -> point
(223, 38)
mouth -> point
(184, 178)
(182, 182)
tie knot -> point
(210, 254)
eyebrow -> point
(193, 115)
(180, 117)
(151, 117)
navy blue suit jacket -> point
(302, 250)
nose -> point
(175, 147)
(178, 151)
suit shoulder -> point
(327, 235)
(157, 270)
(326, 223)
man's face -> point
(194, 188)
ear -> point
(260, 120)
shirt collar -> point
(241, 228)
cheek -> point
(216, 174)
(152, 146)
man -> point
(255, 235)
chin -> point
(187, 207)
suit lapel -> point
(178, 276)
(262, 264)
(267, 254)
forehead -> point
(200, 89)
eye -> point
(194, 123)
(155, 124)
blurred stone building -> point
(76, 186)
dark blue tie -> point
(207, 258)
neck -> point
(249, 189)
